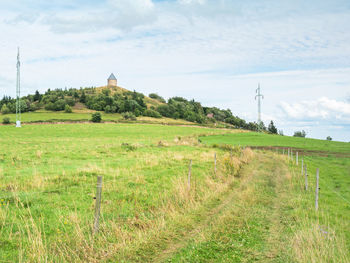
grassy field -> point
(48, 177)
(258, 139)
(334, 212)
(253, 208)
(84, 116)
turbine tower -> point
(18, 94)
(259, 96)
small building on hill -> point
(112, 80)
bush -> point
(157, 97)
(108, 109)
(300, 134)
(129, 116)
(152, 113)
(329, 138)
(272, 128)
(6, 120)
(5, 109)
(50, 106)
(96, 117)
(67, 109)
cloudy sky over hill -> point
(213, 51)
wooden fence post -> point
(317, 189)
(189, 174)
(215, 163)
(305, 178)
(288, 153)
(302, 166)
(297, 158)
(98, 204)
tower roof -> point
(112, 77)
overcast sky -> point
(213, 51)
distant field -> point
(42, 116)
(84, 115)
(259, 139)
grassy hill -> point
(116, 101)
(252, 207)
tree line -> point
(130, 104)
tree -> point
(37, 96)
(300, 134)
(82, 97)
(76, 95)
(96, 117)
(5, 109)
(156, 97)
(329, 138)
(272, 128)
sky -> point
(215, 52)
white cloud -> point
(322, 109)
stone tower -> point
(112, 80)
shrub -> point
(96, 117)
(5, 109)
(152, 113)
(50, 106)
(329, 138)
(157, 97)
(272, 128)
(108, 109)
(129, 116)
(67, 109)
(300, 134)
(6, 120)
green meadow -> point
(251, 207)
(334, 184)
(259, 139)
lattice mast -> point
(18, 93)
(259, 96)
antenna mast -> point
(259, 96)
(18, 94)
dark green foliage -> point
(82, 97)
(6, 120)
(129, 116)
(152, 113)
(96, 117)
(37, 96)
(272, 128)
(157, 97)
(76, 95)
(165, 111)
(329, 138)
(5, 109)
(300, 134)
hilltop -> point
(119, 103)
